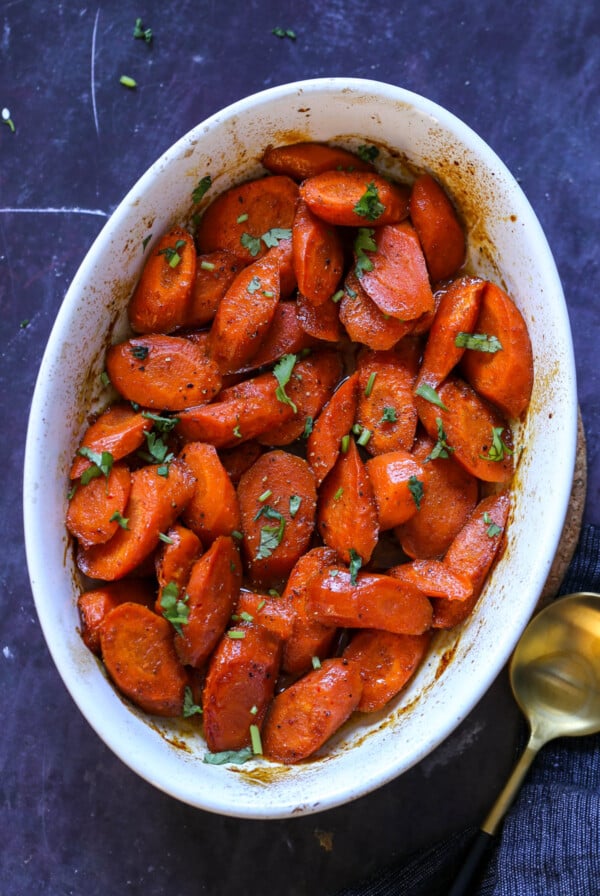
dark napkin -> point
(550, 841)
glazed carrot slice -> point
(347, 514)
(286, 335)
(365, 323)
(457, 313)
(154, 504)
(308, 638)
(302, 160)
(387, 662)
(95, 604)
(215, 272)
(311, 384)
(283, 254)
(386, 404)
(471, 554)
(211, 592)
(433, 578)
(398, 483)
(245, 412)
(397, 280)
(439, 229)
(277, 497)
(505, 377)
(119, 431)
(450, 494)
(161, 299)
(369, 600)
(240, 683)
(244, 315)
(474, 430)
(239, 459)
(213, 509)
(96, 508)
(355, 198)
(320, 322)
(318, 255)
(304, 716)
(137, 649)
(274, 613)
(175, 557)
(333, 423)
(248, 219)
(163, 372)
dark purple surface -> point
(526, 77)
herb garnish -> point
(141, 33)
(316, 662)
(498, 450)
(165, 538)
(270, 239)
(201, 187)
(370, 384)
(173, 253)
(337, 296)
(270, 536)
(479, 342)
(429, 394)
(163, 424)
(253, 285)
(364, 242)
(140, 352)
(236, 756)
(415, 487)
(355, 565)
(105, 379)
(121, 520)
(189, 707)
(367, 152)
(389, 415)
(493, 528)
(369, 206)
(255, 740)
(338, 494)
(441, 447)
(283, 371)
(295, 502)
(284, 32)
(158, 451)
(175, 609)
(308, 427)
(101, 464)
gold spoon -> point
(555, 678)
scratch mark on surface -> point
(54, 211)
(93, 72)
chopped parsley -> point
(441, 447)
(429, 394)
(364, 242)
(121, 520)
(162, 424)
(158, 451)
(189, 707)
(251, 243)
(253, 285)
(369, 205)
(173, 253)
(389, 415)
(308, 427)
(283, 371)
(175, 609)
(101, 464)
(355, 565)
(415, 487)
(478, 342)
(237, 432)
(203, 185)
(295, 502)
(493, 528)
(367, 152)
(270, 239)
(235, 756)
(270, 536)
(498, 450)
(141, 33)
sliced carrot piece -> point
(304, 716)
(332, 424)
(162, 297)
(439, 229)
(283, 253)
(239, 459)
(154, 504)
(240, 683)
(277, 497)
(355, 198)
(347, 514)
(397, 280)
(213, 509)
(274, 613)
(119, 430)
(319, 321)
(137, 649)
(397, 480)
(473, 429)
(472, 554)
(302, 160)
(386, 404)
(211, 591)
(175, 557)
(95, 604)
(95, 508)
(318, 255)
(215, 272)
(387, 662)
(244, 315)
(434, 578)
(164, 372)
(286, 335)
(248, 218)
(365, 323)
(505, 377)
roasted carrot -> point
(302, 160)
(355, 198)
(96, 508)
(469, 428)
(162, 297)
(239, 459)
(318, 255)
(308, 638)
(396, 277)
(240, 683)
(306, 714)
(175, 557)
(347, 514)
(137, 649)
(286, 335)
(440, 232)
(433, 578)
(154, 504)
(163, 372)
(333, 423)
(387, 662)
(456, 313)
(248, 219)
(209, 597)
(244, 315)
(215, 272)
(471, 554)
(277, 498)
(504, 377)
(397, 480)
(311, 384)
(283, 254)
(450, 494)
(244, 412)
(368, 600)
(272, 612)
(119, 431)
(94, 605)
(386, 404)
(320, 322)
(365, 323)
(214, 508)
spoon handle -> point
(485, 836)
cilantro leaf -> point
(284, 32)
(141, 33)
(429, 394)
(479, 342)
(173, 253)
(121, 520)
(271, 237)
(270, 536)
(101, 464)
(253, 285)
(415, 487)
(355, 565)
(158, 451)
(367, 152)
(498, 450)
(283, 371)
(389, 415)
(493, 528)
(175, 609)
(189, 707)
(295, 502)
(441, 447)
(369, 206)
(162, 424)
(236, 756)
(201, 188)
(251, 243)
(364, 242)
